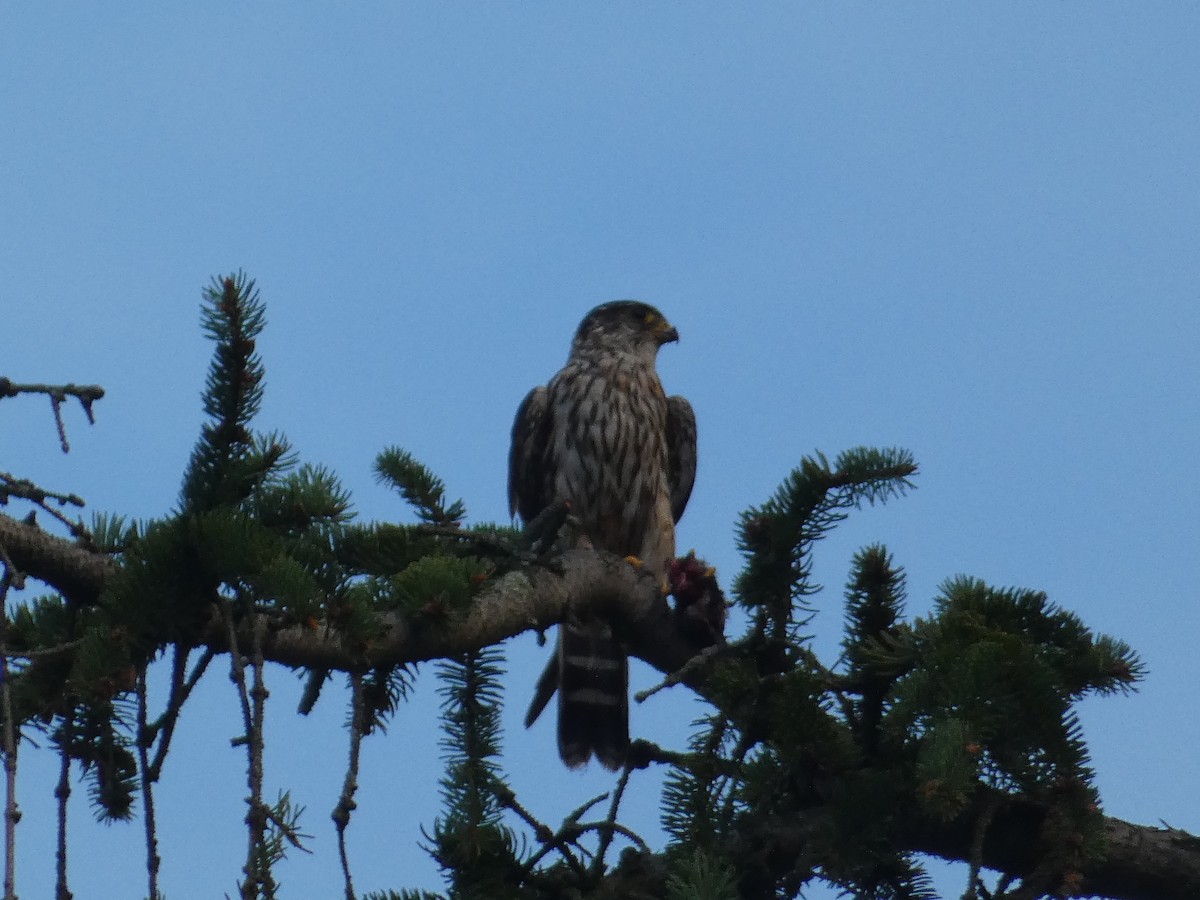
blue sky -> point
(969, 230)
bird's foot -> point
(664, 586)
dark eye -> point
(643, 316)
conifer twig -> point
(453, 532)
(346, 805)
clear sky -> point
(965, 229)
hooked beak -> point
(667, 334)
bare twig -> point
(346, 805)
(550, 840)
(56, 405)
(974, 882)
(11, 813)
(237, 665)
(609, 827)
(733, 768)
(607, 836)
(258, 865)
(256, 818)
(688, 670)
(153, 860)
(180, 690)
(86, 395)
(24, 489)
(258, 696)
(62, 793)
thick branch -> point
(1139, 863)
(68, 567)
(532, 598)
(589, 584)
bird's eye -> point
(650, 318)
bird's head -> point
(624, 326)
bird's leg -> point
(542, 537)
(541, 534)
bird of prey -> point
(603, 437)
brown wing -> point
(527, 495)
(527, 478)
(681, 453)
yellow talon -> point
(635, 562)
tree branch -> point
(67, 566)
(1139, 862)
(589, 585)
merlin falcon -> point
(603, 437)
